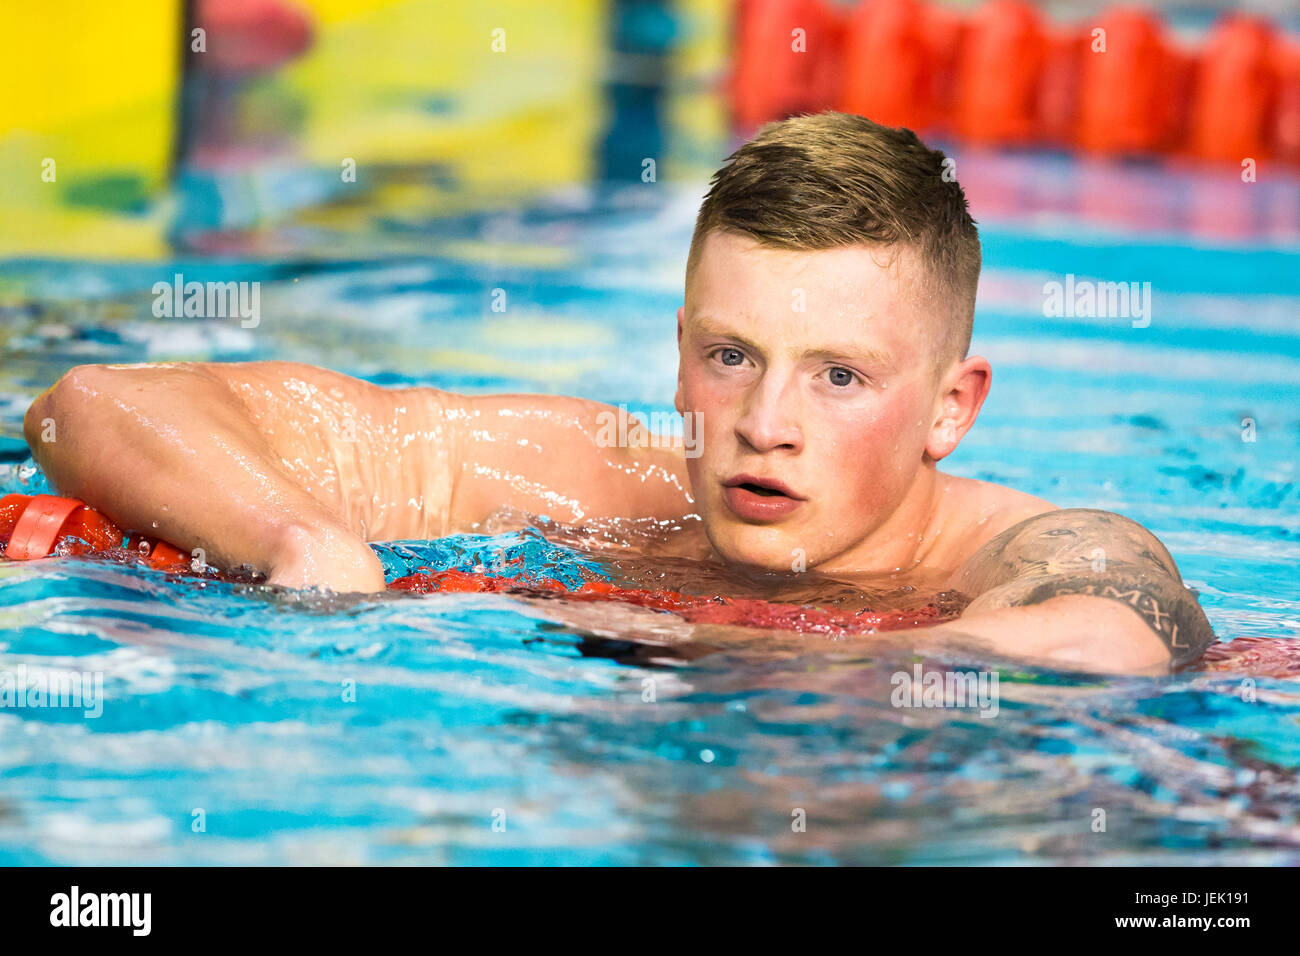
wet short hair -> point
(823, 180)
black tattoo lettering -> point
(1096, 553)
(1169, 609)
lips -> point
(759, 499)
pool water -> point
(243, 724)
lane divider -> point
(33, 527)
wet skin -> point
(821, 427)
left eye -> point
(841, 377)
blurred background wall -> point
(255, 107)
(132, 129)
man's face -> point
(813, 377)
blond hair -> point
(823, 180)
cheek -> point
(871, 457)
(712, 400)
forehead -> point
(848, 291)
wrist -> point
(324, 555)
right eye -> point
(729, 356)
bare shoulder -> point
(1078, 553)
(978, 511)
(1010, 534)
(1065, 540)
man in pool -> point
(830, 291)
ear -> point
(677, 397)
(961, 396)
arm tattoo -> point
(1168, 608)
(1094, 553)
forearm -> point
(169, 450)
(1123, 620)
(1073, 632)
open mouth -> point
(762, 490)
(759, 499)
(766, 487)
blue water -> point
(243, 724)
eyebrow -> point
(874, 358)
(869, 356)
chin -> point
(767, 548)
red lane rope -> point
(748, 612)
(35, 526)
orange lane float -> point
(1002, 64)
(887, 58)
(1005, 74)
(38, 526)
(747, 612)
(1133, 86)
(1236, 91)
(773, 69)
(1284, 131)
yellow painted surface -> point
(695, 113)
(90, 85)
(93, 85)
(421, 82)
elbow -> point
(37, 419)
(58, 408)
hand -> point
(329, 557)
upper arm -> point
(1079, 552)
(378, 457)
(568, 458)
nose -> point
(768, 422)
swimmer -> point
(823, 344)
